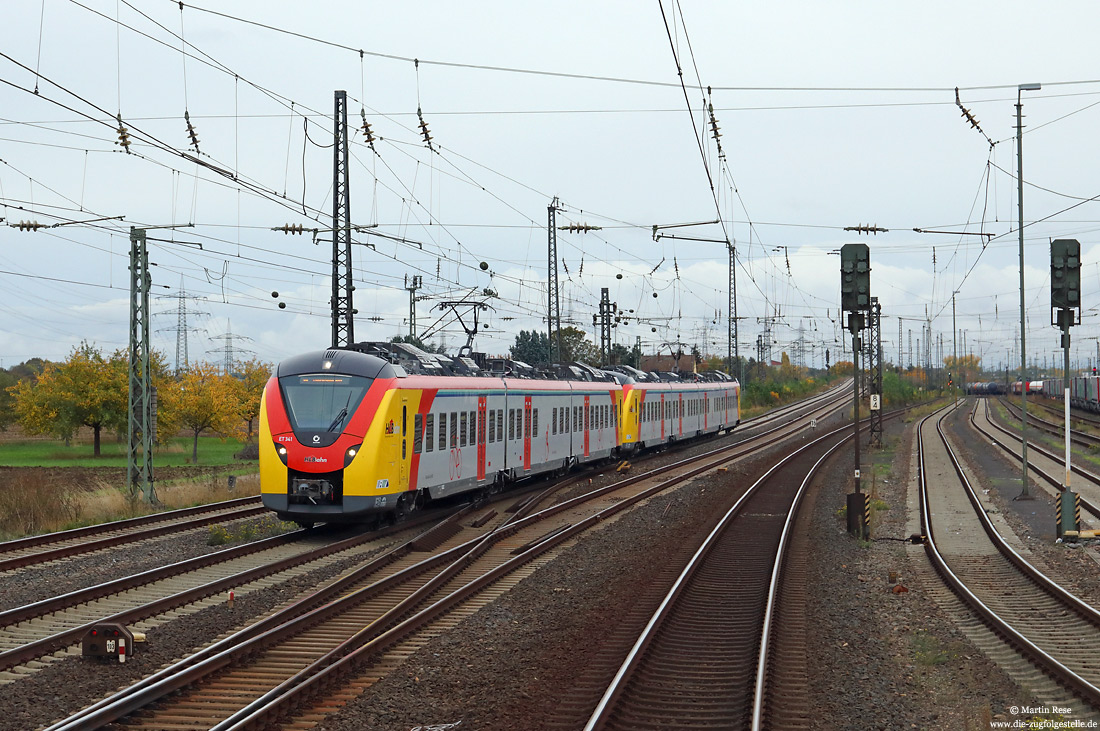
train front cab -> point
(334, 440)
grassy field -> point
(44, 453)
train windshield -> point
(322, 402)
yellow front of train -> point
(334, 439)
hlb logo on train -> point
(311, 458)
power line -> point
(612, 79)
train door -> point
(527, 432)
(482, 415)
(586, 423)
(403, 463)
(662, 415)
(706, 409)
(680, 415)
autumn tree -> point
(85, 390)
(7, 399)
(575, 346)
(843, 368)
(203, 399)
(28, 370)
(250, 377)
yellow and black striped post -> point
(1068, 512)
(859, 515)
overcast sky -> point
(831, 115)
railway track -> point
(1043, 463)
(33, 633)
(1050, 627)
(1055, 429)
(47, 626)
(1054, 406)
(40, 549)
(713, 655)
(47, 547)
(380, 613)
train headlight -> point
(349, 455)
(280, 449)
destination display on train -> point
(326, 380)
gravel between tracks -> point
(893, 660)
(32, 583)
(65, 687)
(512, 662)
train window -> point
(442, 431)
(511, 424)
(429, 433)
(535, 422)
(500, 424)
(322, 402)
(554, 420)
(418, 433)
(492, 427)
(604, 417)
(473, 427)
(454, 429)
(463, 422)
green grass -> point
(251, 530)
(212, 452)
(927, 650)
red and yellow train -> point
(346, 435)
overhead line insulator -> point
(424, 129)
(579, 228)
(123, 135)
(28, 225)
(368, 133)
(191, 130)
(290, 228)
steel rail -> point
(65, 638)
(309, 681)
(1083, 439)
(773, 591)
(1012, 636)
(1053, 481)
(53, 554)
(629, 664)
(62, 639)
(250, 640)
(31, 541)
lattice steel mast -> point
(139, 461)
(343, 328)
(553, 303)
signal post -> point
(1065, 305)
(855, 299)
